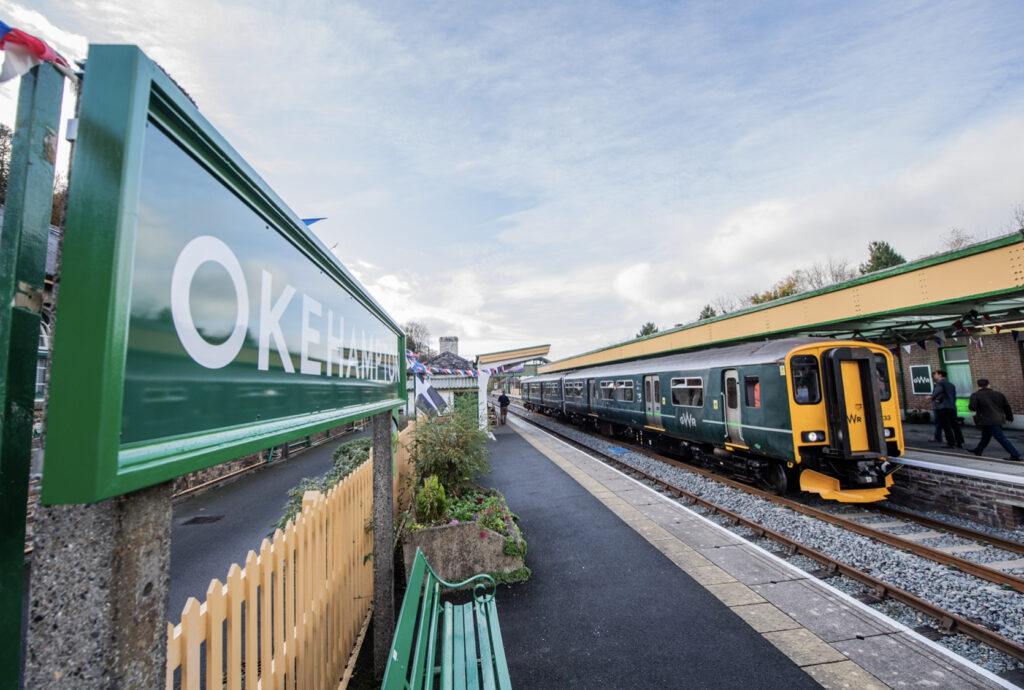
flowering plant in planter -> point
(489, 510)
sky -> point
(536, 172)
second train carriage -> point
(800, 412)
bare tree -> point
(724, 304)
(823, 273)
(1018, 217)
(956, 238)
(417, 338)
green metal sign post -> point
(199, 318)
(23, 242)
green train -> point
(811, 414)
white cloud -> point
(563, 173)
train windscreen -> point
(806, 379)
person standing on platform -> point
(991, 410)
(944, 400)
(503, 402)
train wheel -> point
(780, 479)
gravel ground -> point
(1000, 610)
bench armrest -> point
(480, 592)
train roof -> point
(734, 355)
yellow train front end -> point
(845, 419)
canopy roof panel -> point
(969, 288)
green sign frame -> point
(198, 319)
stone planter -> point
(458, 552)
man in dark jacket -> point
(991, 410)
(944, 401)
(503, 401)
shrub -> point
(453, 448)
(346, 458)
(431, 504)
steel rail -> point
(948, 622)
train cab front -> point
(846, 423)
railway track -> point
(947, 622)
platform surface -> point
(632, 590)
(922, 451)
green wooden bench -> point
(445, 645)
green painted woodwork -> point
(472, 654)
(199, 319)
(23, 241)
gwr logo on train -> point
(364, 360)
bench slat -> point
(435, 613)
(423, 654)
(486, 660)
(448, 649)
(469, 649)
(396, 675)
(459, 669)
(500, 663)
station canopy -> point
(511, 359)
(973, 291)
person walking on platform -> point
(991, 410)
(944, 401)
(503, 401)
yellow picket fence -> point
(290, 617)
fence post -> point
(383, 543)
(23, 242)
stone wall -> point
(989, 502)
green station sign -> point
(199, 320)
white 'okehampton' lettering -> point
(335, 345)
(309, 336)
(195, 254)
(360, 362)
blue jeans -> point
(990, 431)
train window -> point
(752, 390)
(732, 398)
(624, 391)
(551, 388)
(688, 392)
(882, 374)
(806, 379)
(579, 389)
(607, 389)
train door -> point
(652, 400)
(733, 413)
(853, 401)
(591, 396)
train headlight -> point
(890, 432)
(812, 436)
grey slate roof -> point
(448, 360)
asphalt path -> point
(234, 518)
(604, 608)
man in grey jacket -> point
(944, 401)
(991, 410)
